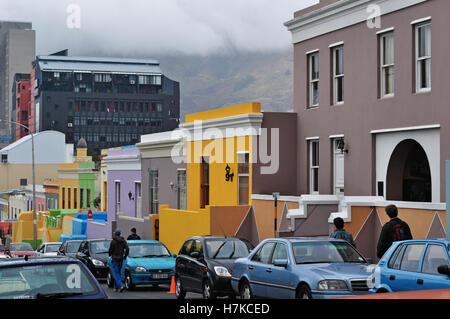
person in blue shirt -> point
(340, 232)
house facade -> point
(372, 98)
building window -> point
(387, 64)
(182, 191)
(243, 178)
(88, 199)
(423, 57)
(68, 199)
(154, 207)
(75, 198)
(314, 166)
(81, 198)
(117, 196)
(204, 178)
(63, 197)
(338, 74)
(313, 61)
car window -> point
(84, 247)
(226, 248)
(411, 257)
(52, 248)
(147, 250)
(197, 247)
(435, 256)
(72, 247)
(263, 254)
(280, 252)
(186, 247)
(100, 247)
(396, 258)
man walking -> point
(341, 233)
(394, 230)
(118, 250)
(133, 235)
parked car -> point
(301, 268)
(47, 278)
(69, 248)
(94, 254)
(205, 264)
(20, 250)
(149, 262)
(413, 265)
(48, 249)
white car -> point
(2, 256)
(48, 249)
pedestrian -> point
(133, 235)
(118, 250)
(394, 230)
(341, 233)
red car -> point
(20, 250)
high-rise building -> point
(17, 52)
(107, 101)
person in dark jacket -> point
(394, 230)
(341, 233)
(133, 235)
(118, 250)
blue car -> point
(56, 277)
(148, 263)
(301, 268)
(413, 265)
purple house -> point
(124, 182)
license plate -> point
(160, 276)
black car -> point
(205, 265)
(69, 248)
(94, 254)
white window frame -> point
(312, 81)
(336, 76)
(384, 67)
(418, 59)
(313, 167)
(182, 189)
(117, 195)
(241, 155)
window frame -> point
(418, 60)
(424, 255)
(384, 67)
(336, 76)
(312, 81)
(246, 165)
(313, 167)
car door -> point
(435, 255)
(62, 249)
(257, 269)
(280, 279)
(83, 253)
(405, 273)
(197, 266)
(182, 263)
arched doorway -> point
(408, 175)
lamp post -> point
(275, 222)
(34, 178)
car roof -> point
(37, 261)
(431, 240)
(143, 242)
(97, 239)
(52, 243)
(214, 237)
(308, 239)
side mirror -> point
(280, 263)
(444, 270)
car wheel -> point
(304, 292)
(110, 279)
(179, 292)
(128, 282)
(246, 291)
(207, 290)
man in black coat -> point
(133, 235)
(118, 250)
(394, 230)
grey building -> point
(108, 101)
(371, 93)
(17, 52)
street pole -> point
(34, 179)
(275, 220)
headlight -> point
(222, 271)
(332, 285)
(371, 281)
(97, 262)
(140, 269)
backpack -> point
(398, 233)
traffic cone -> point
(172, 286)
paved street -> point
(145, 292)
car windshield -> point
(45, 281)
(325, 252)
(148, 250)
(100, 246)
(73, 247)
(21, 247)
(52, 248)
(226, 249)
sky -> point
(143, 27)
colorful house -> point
(77, 181)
